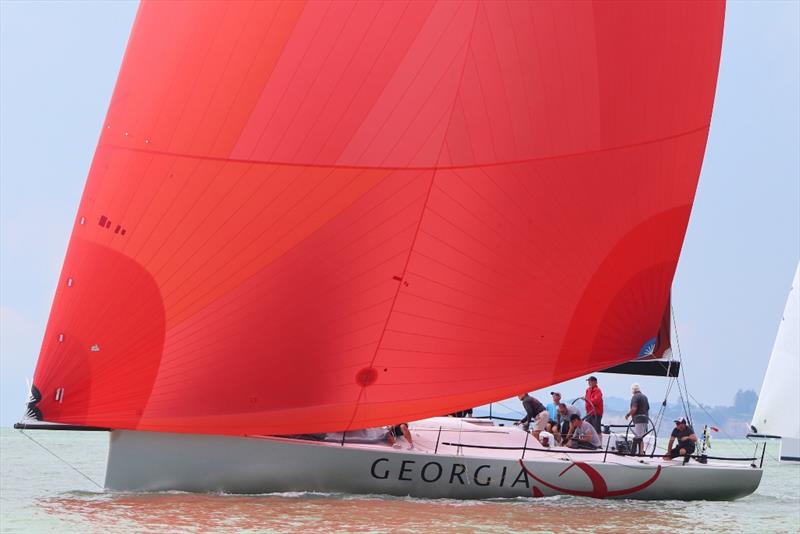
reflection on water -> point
(177, 512)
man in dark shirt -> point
(640, 410)
(686, 437)
(535, 413)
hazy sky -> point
(59, 62)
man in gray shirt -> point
(564, 412)
(583, 435)
(640, 411)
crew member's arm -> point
(690, 437)
(631, 412)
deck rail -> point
(525, 448)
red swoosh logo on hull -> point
(599, 487)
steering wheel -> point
(651, 430)
(584, 399)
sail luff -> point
(776, 412)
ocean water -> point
(38, 493)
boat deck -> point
(482, 439)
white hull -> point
(145, 461)
(790, 450)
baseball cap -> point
(591, 378)
(682, 420)
(555, 393)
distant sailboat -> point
(777, 413)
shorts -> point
(540, 421)
(639, 430)
(580, 444)
(564, 428)
(689, 446)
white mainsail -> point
(778, 410)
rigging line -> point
(663, 409)
(683, 364)
(671, 382)
(81, 473)
(769, 454)
(510, 409)
(715, 422)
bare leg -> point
(407, 434)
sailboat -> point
(777, 414)
(315, 218)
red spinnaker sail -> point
(316, 216)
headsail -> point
(778, 409)
(315, 216)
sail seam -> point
(434, 170)
(413, 168)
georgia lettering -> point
(433, 471)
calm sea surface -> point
(41, 494)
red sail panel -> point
(663, 339)
(315, 216)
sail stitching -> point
(483, 165)
(422, 213)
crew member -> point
(584, 436)
(396, 431)
(686, 437)
(565, 411)
(552, 407)
(594, 404)
(640, 410)
(535, 413)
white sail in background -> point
(778, 409)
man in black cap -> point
(686, 437)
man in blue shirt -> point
(552, 408)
